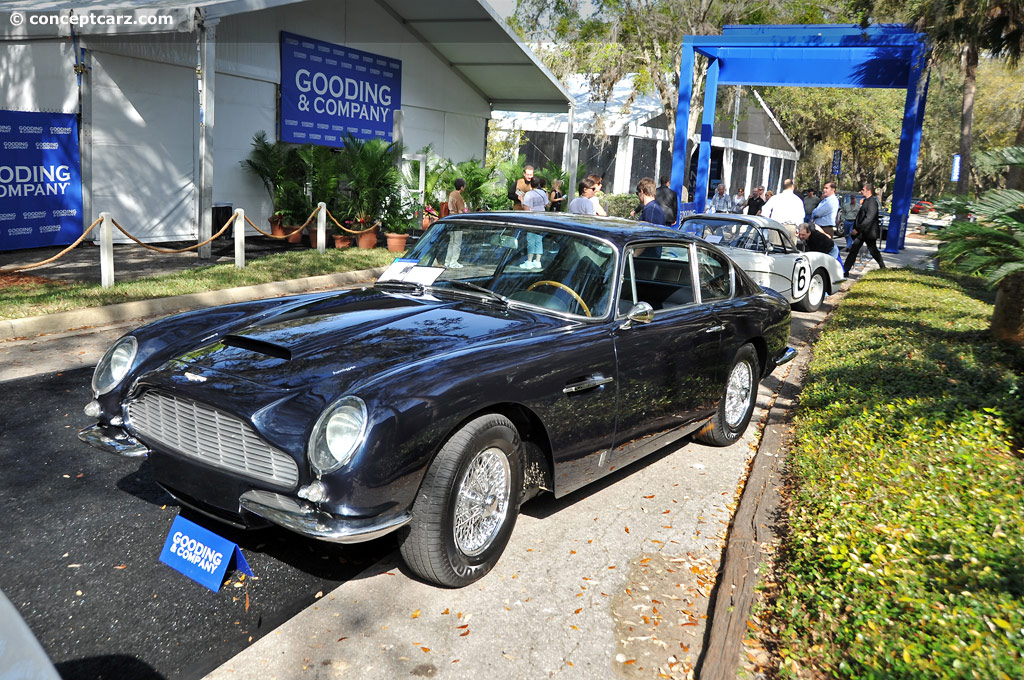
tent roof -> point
(467, 35)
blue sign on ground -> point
(200, 554)
(330, 90)
(40, 180)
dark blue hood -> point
(357, 335)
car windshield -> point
(732, 234)
(558, 271)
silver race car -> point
(764, 249)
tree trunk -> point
(970, 62)
(1008, 314)
(1015, 177)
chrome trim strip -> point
(305, 519)
(113, 440)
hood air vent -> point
(259, 346)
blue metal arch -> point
(814, 55)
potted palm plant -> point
(271, 162)
(371, 185)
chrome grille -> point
(211, 436)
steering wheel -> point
(567, 289)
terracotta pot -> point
(276, 228)
(427, 221)
(367, 240)
(294, 233)
(342, 241)
(396, 242)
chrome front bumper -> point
(303, 518)
(113, 440)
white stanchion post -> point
(239, 238)
(321, 228)
(106, 250)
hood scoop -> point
(259, 346)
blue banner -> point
(329, 90)
(200, 554)
(40, 180)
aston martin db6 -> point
(505, 354)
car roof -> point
(756, 220)
(615, 229)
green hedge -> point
(905, 553)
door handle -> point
(715, 329)
(586, 384)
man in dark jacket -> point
(865, 229)
(668, 200)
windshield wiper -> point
(469, 285)
(418, 287)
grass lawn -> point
(905, 551)
(34, 299)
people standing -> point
(811, 201)
(522, 186)
(826, 213)
(721, 202)
(582, 204)
(866, 228)
(652, 211)
(598, 183)
(756, 201)
(786, 207)
(556, 198)
(668, 200)
(456, 204)
(535, 200)
(739, 201)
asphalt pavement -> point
(612, 581)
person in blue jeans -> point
(535, 200)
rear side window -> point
(714, 275)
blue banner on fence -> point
(200, 554)
(40, 180)
(330, 90)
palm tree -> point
(994, 246)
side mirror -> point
(642, 312)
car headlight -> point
(114, 365)
(337, 434)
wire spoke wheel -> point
(482, 501)
(737, 393)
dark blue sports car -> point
(508, 353)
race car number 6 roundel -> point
(801, 278)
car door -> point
(790, 271)
(668, 373)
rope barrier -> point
(192, 247)
(180, 250)
(58, 255)
(298, 228)
(343, 228)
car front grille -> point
(213, 437)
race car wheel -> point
(815, 293)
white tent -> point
(170, 93)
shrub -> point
(905, 555)
(620, 205)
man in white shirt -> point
(785, 207)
